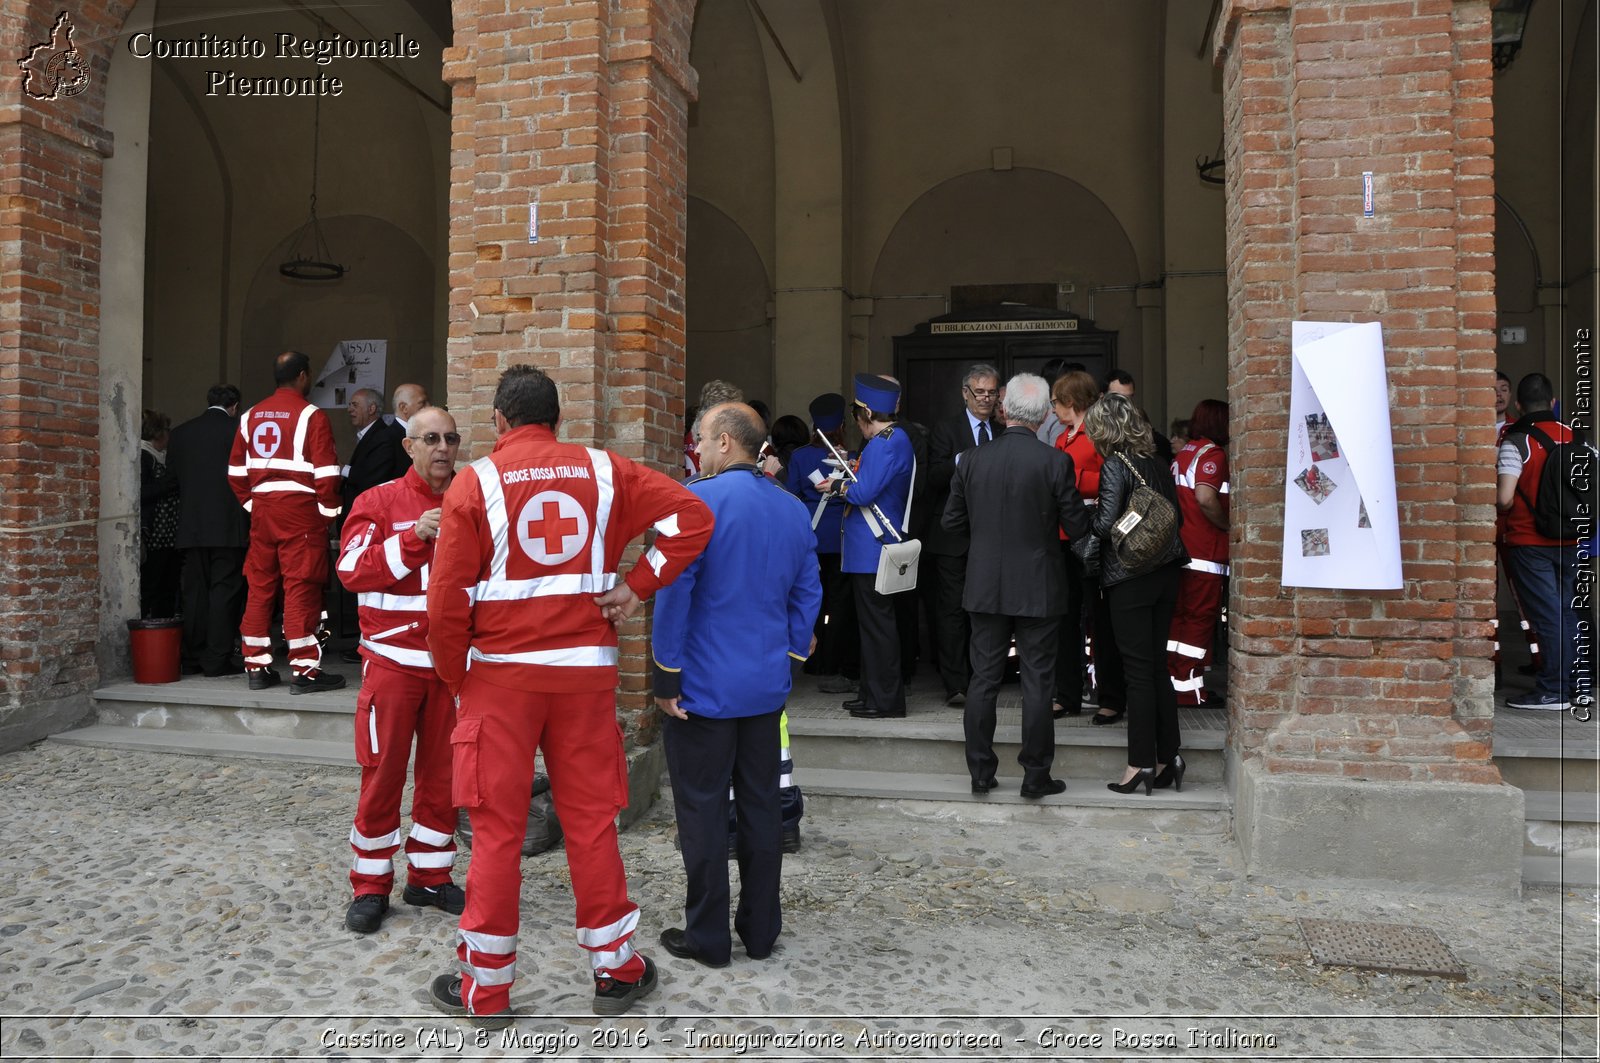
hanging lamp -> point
(309, 256)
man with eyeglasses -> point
(945, 549)
(388, 547)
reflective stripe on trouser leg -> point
(488, 962)
(433, 813)
(304, 559)
(1192, 632)
(582, 747)
(493, 741)
(394, 695)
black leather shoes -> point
(864, 713)
(853, 704)
(676, 941)
(316, 683)
(366, 912)
(983, 786)
(1054, 786)
(448, 898)
(262, 678)
(1060, 711)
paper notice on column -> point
(353, 365)
(1341, 523)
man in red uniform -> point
(524, 587)
(1201, 473)
(286, 476)
(388, 547)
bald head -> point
(408, 399)
(729, 433)
(429, 444)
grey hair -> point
(1114, 425)
(1027, 399)
(370, 397)
(978, 372)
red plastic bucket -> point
(156, 646)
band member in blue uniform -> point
(722, 645)
(838, 656)
(883, 478)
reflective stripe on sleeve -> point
(600, 936)
(1208, 566)
(391, 554)
(1185, 649)
(238, 470)
(571, 657)
(329, 511)
(667, 525)
(1223, 489)
(383, 841)
(322, 472)
(429, 836)
(657, 559)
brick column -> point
(1355, 715)
(52, 155)
(579, 109)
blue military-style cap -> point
(877, 393)
(827, 411)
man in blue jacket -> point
(724, 635)
(838, 656)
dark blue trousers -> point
(702, 755)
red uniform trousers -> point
(394, 705)
(1194, 629)
(300, 562)
(497, 733)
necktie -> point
(983, 432)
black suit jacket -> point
(378, 458)
(209, 514)
(1015, 497)
(950, 437)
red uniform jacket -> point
(283, 467)
(1202, 462)
(384, 563)
(530, 536)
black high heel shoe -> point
(1172, 775)
(1147, 776)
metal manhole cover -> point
(1381, 947)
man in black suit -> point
(945, 549)
(379, 455)
(213, 534)
(1014, 498)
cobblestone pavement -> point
(181, 907)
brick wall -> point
(51, 160)
(1359, 684)
(581, 108)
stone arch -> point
(996, 227)
(727, 294)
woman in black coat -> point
(1141, 603)
(158, 520)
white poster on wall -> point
(1341, 521)
(353, 365)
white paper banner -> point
(1341, 522)
(353, 365)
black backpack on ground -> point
(1560, 510)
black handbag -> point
(1086, 548)
(1146, 528)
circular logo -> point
(267, 438)
(66, 73)
(552, 527)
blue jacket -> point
(884, 477)
(726, 628)
(830, 528)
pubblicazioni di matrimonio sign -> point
(320, 52)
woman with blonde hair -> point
(1141, 601)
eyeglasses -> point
(982, 393)
(431, 439)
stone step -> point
(1561, 846)
(226, 744)
(937, 745)
(1567, 760)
